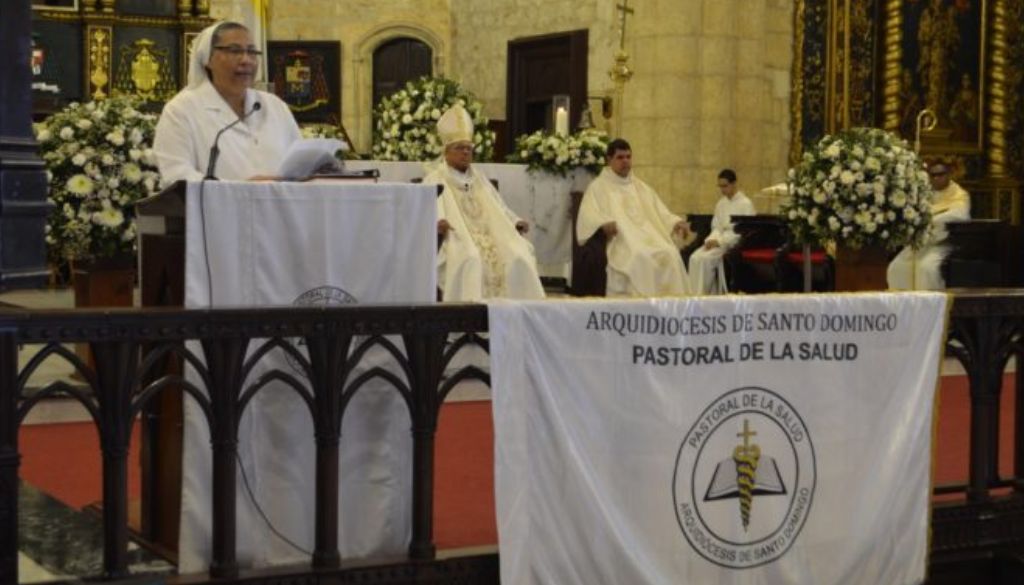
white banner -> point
(732, 440)
(306, 244)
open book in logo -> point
(745, 475)
(749, 451)
(725, 484)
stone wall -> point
(711, 90)
(361, 26)
(711, 87)
(481, 30)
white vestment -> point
(483, 256)
(921, 269)
(643, 257)
(707, 276)
(190, 122)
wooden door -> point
(539, 68)
(398, 61)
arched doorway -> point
(397, 61)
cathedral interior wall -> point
(711, 85)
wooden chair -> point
(589, 260)
(979, 254)
(766, 259)
(789, 269)
(750, 264)
(700, 224)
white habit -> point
(920, 269)
(643, 257)
(707, 276)
(483, 256)
(190, 122)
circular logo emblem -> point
(321, 296)
(744, 479)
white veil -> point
(200, 56)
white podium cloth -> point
(740, 440)
(293, 243)
(540, 198)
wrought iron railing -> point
(129, 348)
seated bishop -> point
(483, 255)
(644, 237)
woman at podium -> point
(219, 126)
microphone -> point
(215, 149)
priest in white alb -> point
(644, 237)
(483, 254)
(922, 269)
(707, 275)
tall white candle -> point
(562, 121)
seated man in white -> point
(483, 254)
(920, 269)
(707, 276)
(644, 237)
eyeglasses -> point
(463, 148)
(237, 52)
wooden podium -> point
(163, 243)
(161, 221)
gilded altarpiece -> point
(880, 62)
(93, 49)
(832, 91)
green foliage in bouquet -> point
(557, 154)
(405, 123)
(861, 187)
(99, 162)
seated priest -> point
(258, 126)
(644, 237)
(707, 275)
(921, 269)
(483, 255)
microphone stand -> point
(215, 149)
(210, 167)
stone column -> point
(711, 91)
(23, 187)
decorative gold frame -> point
(98, 46)
(796, 105)
(72, 8)
(98, 22)
(993, 59)
(892, 83)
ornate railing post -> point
(9, 457)
(224, 361)
(984, 391)
(985, 336)
(116, 363)
(425, 349)
(327, 357)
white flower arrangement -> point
(405, 123)
(320, 130)
(861, 187)
(558, 154)
(99, 162)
